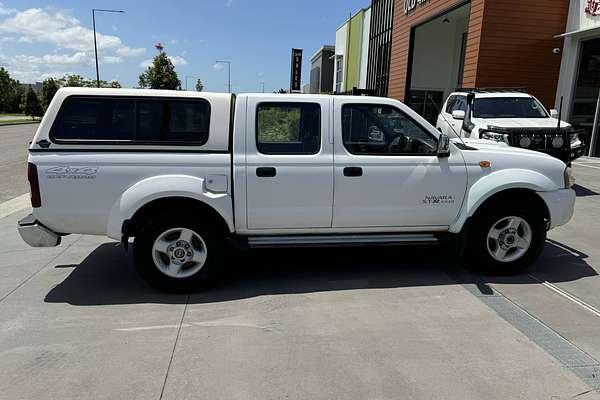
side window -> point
(173, 121)
(375, 129)
(133, 120)
(288, 128)
(450, 104)
(96, 119)
(461, 104)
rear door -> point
(387, 172)
(289, 165)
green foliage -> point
(160, 74)
(49, 89)
(276, 124)
(199, 86)
(10, 93)
(80, 81)
(281, 91)
(31, 105)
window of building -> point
(339, 73)
(133, 120)
(288, 128)
(375, 129)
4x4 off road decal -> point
(72, 173)
(438, 200)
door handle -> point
(353, 171)
(266, 172)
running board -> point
(340, 240)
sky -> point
(49, 38)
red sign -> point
(592, 7)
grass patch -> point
(19, 121)
(12, 115)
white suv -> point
(510, 117)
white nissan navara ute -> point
(184, 175)
(509, 117)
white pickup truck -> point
(186, 174)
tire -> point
(506, 238)
(178, 255)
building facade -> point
(579, 82)
(321, 70)
(352, 52)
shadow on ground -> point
(582, 191)
(107, 276)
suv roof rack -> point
(493, 90)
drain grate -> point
(586, 367)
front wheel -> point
(177, 255)
(506, 239)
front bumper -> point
(35, 234)
(561, 205)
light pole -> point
(228, 72)
(95, 45)
(186, 80)
(263, 86)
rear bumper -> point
(35, 234)
(561, 205)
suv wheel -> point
(177, 255)
(506, 239)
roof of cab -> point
(85, 91)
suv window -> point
(450, 104)
(288, 128)
(133, 120)
(383, 130)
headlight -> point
(558, 142)
(569, 178)
(574, 138)
(497, 137)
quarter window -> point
(133, 120)
(288, 128)
(375, 129)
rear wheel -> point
(176, 255)
(506, 238)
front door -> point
(289, 166)
(387, 172)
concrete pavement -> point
(13, 159)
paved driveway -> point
(14, 141)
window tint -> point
(383, 130)
(288, 128)
(450, 104)
(96, 119)
(141, 120)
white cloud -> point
(6, 11)
(229, 3)
(219, 67)
(176, 60)
(261, 74)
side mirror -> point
(443, 149)
(458, 114)
(554, 114)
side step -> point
(341, 240)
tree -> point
(31, 104)
(9, 92)
(199, 86)
(49, 89)
(113, 84)
(281, 91)
(80, 81)
(5, 85)
(160, 74)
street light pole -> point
(228, 72)
(263, 86)
(95, 43)
(186, 81)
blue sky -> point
(50, 38)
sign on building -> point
(410, 5)
(592, 7)
(296, 78)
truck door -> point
(289, 163)
(387, 172)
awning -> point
(584, 30)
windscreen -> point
(508, 107)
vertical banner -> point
(296, 79)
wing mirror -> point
(458, 114)
(554, 114)
(443, 149)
